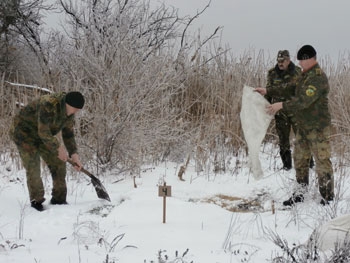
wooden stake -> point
(164, 191)
(164, 208)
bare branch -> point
(190, 22)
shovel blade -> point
(100, 190)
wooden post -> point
(164, 191)
(164, 204)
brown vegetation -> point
(150, 99)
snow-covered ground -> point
(130, 228)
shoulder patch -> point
(310, 91)
(318, 71)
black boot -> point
(325, 201)
(286, 157)
(312, 163)
(54, 201)
(37, 206)
(295, 198)
(327, 190)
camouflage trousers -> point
(317, 144)
(30, 155)
(284, 125)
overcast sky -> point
(271, 25)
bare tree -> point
(20, 26)
(109, 22)
(120, 54)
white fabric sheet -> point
(333, 232)
(255, 121)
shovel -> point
(100, 190)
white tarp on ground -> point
(255, 121)
(333, 232)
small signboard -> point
(164, 191)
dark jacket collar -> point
(290, 69)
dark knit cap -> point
(75, 99)
(306, 52)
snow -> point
(130, 228)
(34, 87)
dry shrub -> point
(339, 97)
(158, 110)
(146, 100)
(212, 102)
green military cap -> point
(282, 55)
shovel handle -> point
(82, 168)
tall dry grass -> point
(339, 97)
(175, 114)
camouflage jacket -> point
(281, 83)
(310, 104)
(41, 120)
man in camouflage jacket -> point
(33, 131)
(281, 81)
(309, 109)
